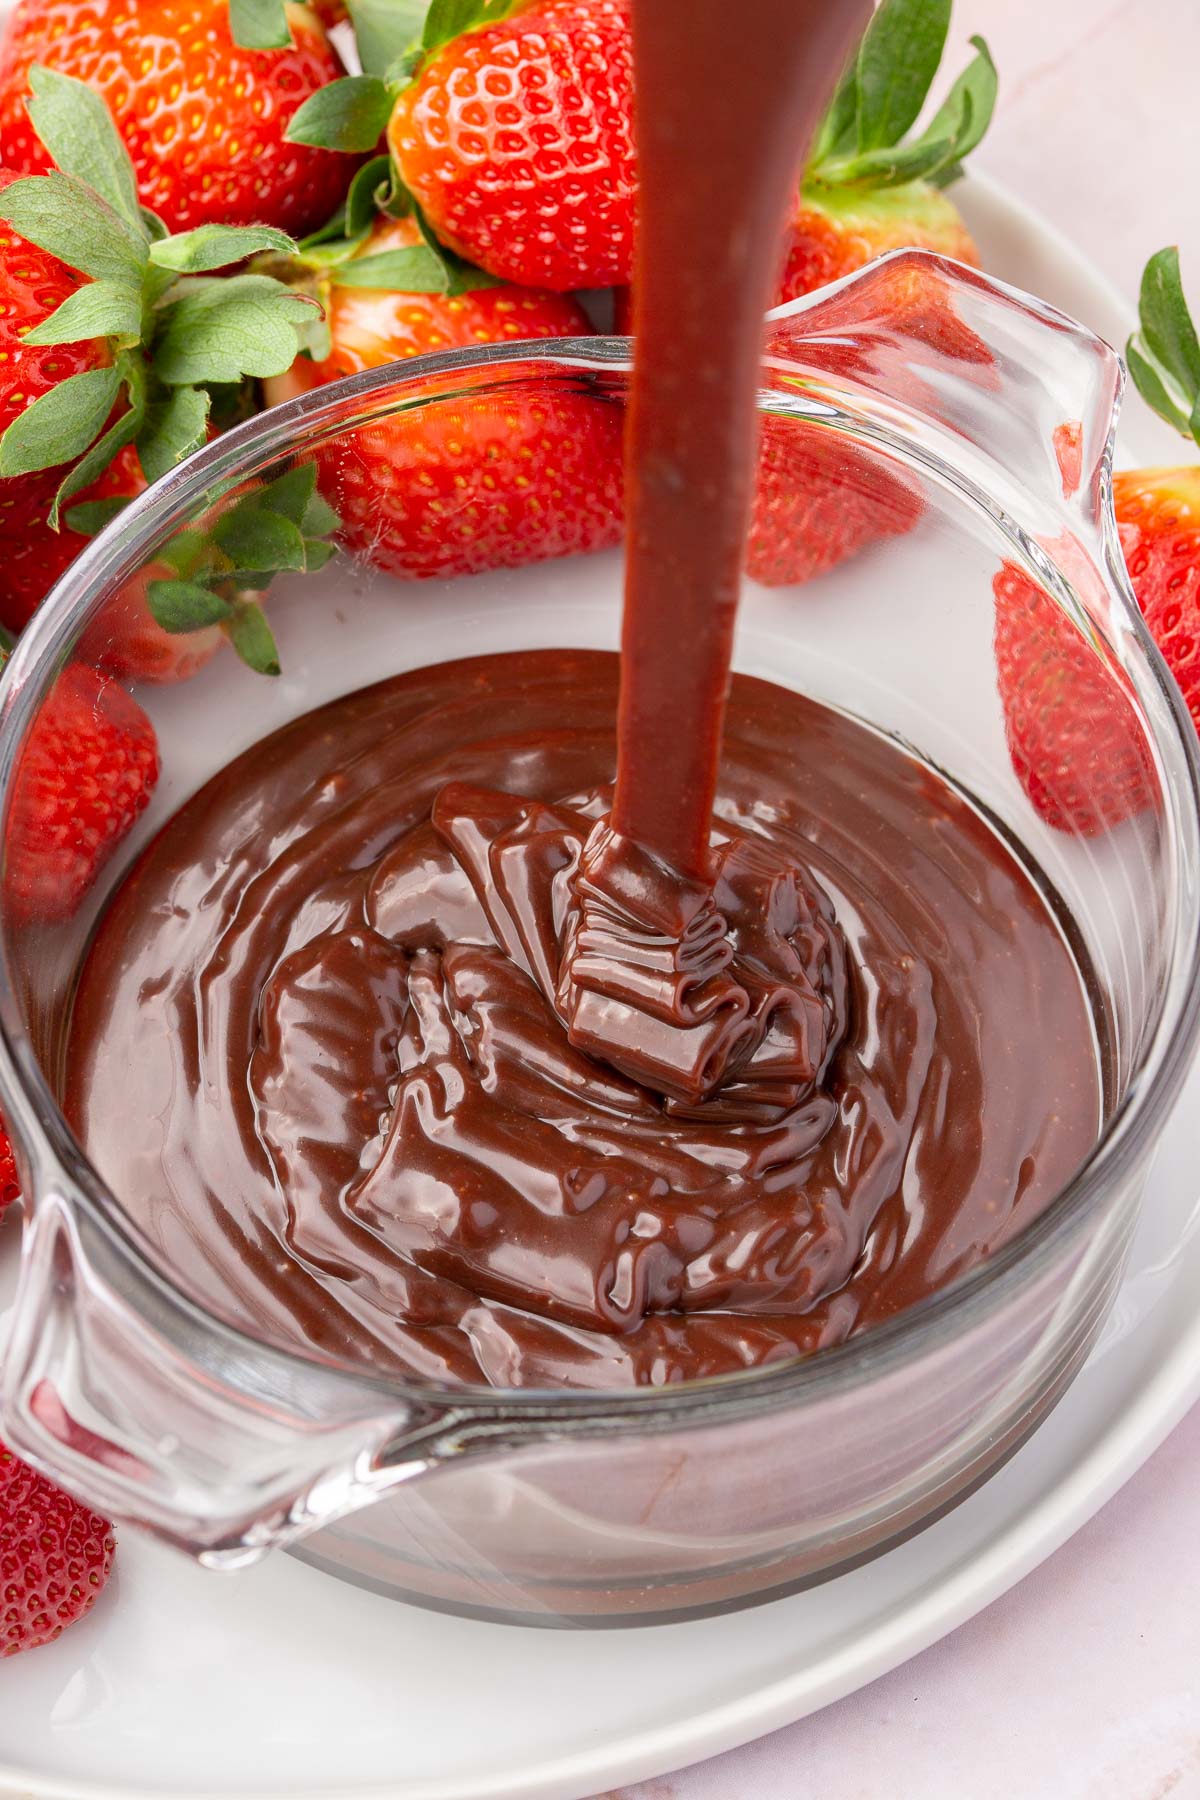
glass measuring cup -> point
(973, 426)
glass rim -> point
(41, 1126)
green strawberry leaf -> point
(415, 270)
(859, 143)
(61, 214)
(447, 19)
(61, 424)
(91, 516)
(99, 309)
(1166, 328)
(181, 606)
(319, 521)
(405, 67)
(368, 194)
(1153, 389)
(838, 134)
(174, 426)
(77, 129)
(92, 465)
(252, 638)
(320, 258)
(315, 338)
(316, 554)
(350, 114)
(290, 494)
(216, 246)
(330, 232)
(221, 329)
(373, 190)
(259, 24)
(185, 552)
(259, 541)
(461, 277)
(966, 112)
(890, 167)
(384, 30)
(897, 61)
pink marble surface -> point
(1083, 1683)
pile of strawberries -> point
(202, 212)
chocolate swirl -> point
(431, 1069)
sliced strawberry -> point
(202, 118)
(85, 777)
(55, 1557)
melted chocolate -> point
(409, 1039)
(322, 1045)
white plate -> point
(280, 1681)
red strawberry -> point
(819, 498)
(131, 397)
(868, 186)
(1072, 733)
(371, 326)
(33, 284)
(517, 140)
(834, 233)
(203, 119)
(819, 501)
(1159, 514)
(126, 641)
(55, 1556)
(86, 775)
(10, 1186)
(1159, 509)
(866, 191)
(479, 482)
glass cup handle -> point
(145, 1410)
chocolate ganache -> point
(330, 1049)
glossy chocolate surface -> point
(321, 1050)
